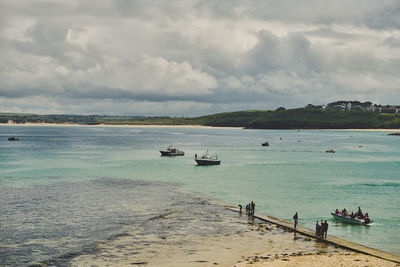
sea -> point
(64, 189)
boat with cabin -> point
(265, 144)
(330, 151)
(13, 138)
(172, 151)
(207, 159)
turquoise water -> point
(292, 174)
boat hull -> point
(349, 220)
(207, 162)
(171, 154)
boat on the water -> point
(207, 159)
(352, 220)
(330, 151)
(265, 144)
(172, 151)
(13, 138)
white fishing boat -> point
(172, 151)
(207, 159)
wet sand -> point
(348, 259)
(244, 242)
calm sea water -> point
(58, 184)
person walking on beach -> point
(295, 218)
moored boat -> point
(330, 151)
(207, 159)
(172, 151)
(349, 219)
(265, 144)
(13, 138)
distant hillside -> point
(301, 118)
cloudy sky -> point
(194, 57)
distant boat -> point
(207, 159)
(330, 151)
(13, 138)
(172, 151)
(265, 144)
(348, 219)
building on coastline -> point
(361, 106)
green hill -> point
(303, 118)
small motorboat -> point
(330, 151)
(172, 151)
(265, 144)
(352, 220)
(13, 138)
(207, 159)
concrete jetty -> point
(330, 239)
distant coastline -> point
(280, 119)
(38, 124)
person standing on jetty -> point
(295, 218)
(326, 229)
(317, 229)
(253, 206)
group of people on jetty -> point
(250, 208)
(353, 215)
(321, 230)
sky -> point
(195, 57)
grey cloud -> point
(135, 56)
(385, 17)
(293, 51)
(373, 13)
(392, 41)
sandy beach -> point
(32, 124)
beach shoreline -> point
(251, 241)
(256, 243)
(40, 124)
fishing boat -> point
(13, 138)
(330, 151)
(265, 144)
(172, 151)
(348, 219)
(207, 159)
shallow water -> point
(58, 178)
